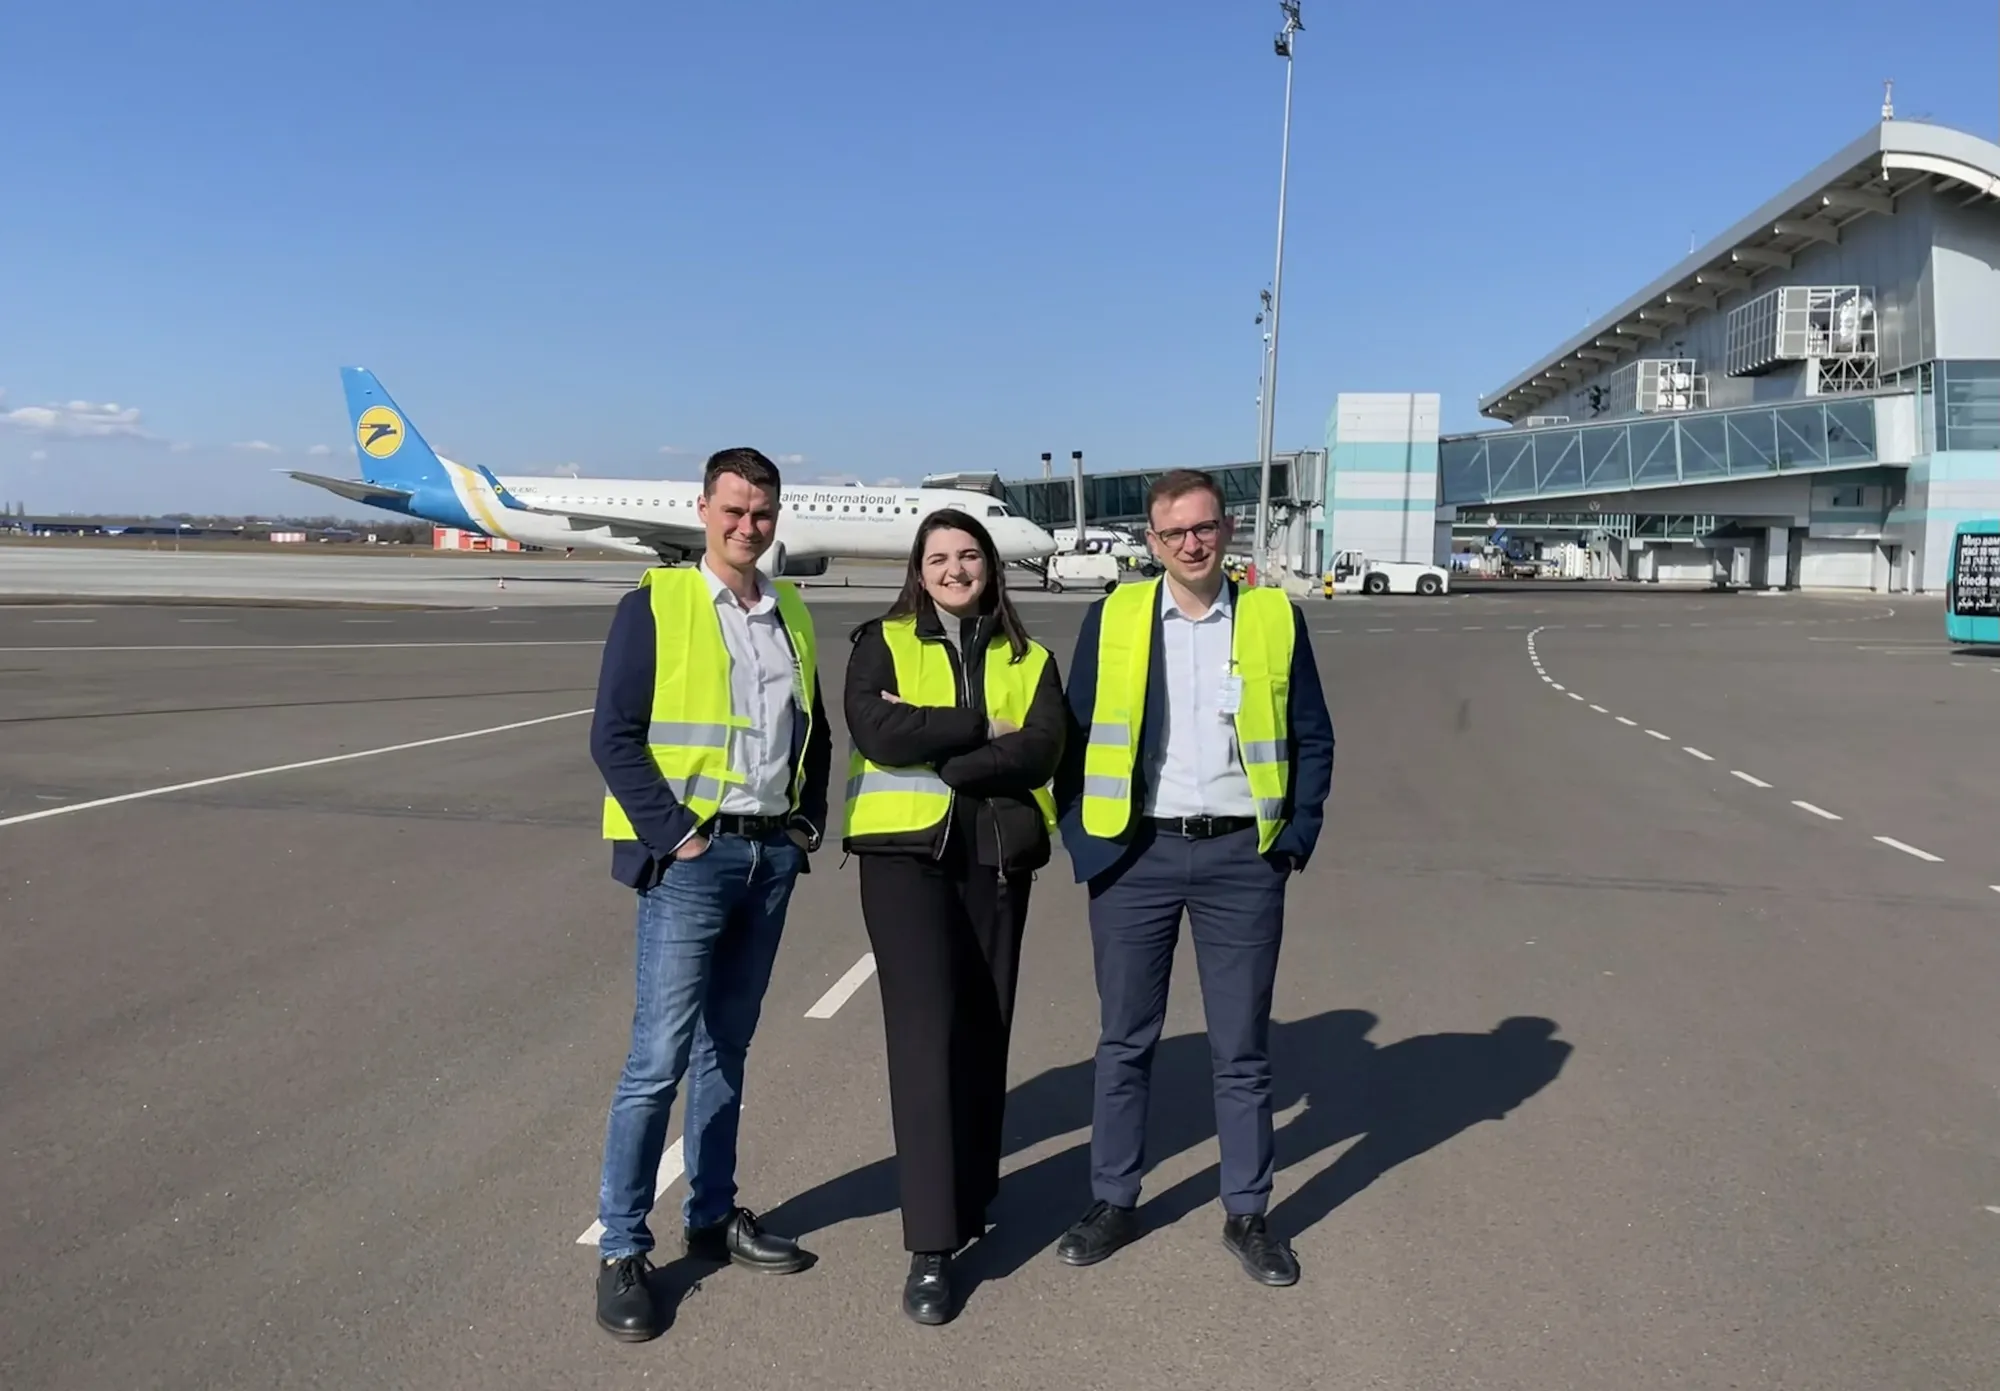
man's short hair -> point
(1178, 483)
(750, 465)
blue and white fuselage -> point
(636, 517)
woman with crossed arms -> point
(957, 720)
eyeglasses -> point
(1204, 532)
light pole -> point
(1284, 48)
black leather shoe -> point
(625, 1306)
(738, 1240)
(1269, 1260)
(927, 1293)
(1100, 1232)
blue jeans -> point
(707, 937)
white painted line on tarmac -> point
(1574, 696)
(61, 622)
(1754, 782)
(1697, 753)
(1381, 630)
(1895, 844)
(371, 621)
(1629, 724)
(1473, 628)
(208, 620)
(843, 989)
(1600, 709)
(1657, 735)
(318, 646)
(1556, 684)
(1816, 811)
(673, 1164)
(286, 768)
(1996, 889)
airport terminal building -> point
(1811, 400)
(1820, 384)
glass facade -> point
(1119, 499)
(1703, 447)
(1967, 403)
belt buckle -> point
(1207, 831)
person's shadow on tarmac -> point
(1401, 1100)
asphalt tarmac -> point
(1636, 1025)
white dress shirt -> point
(1197, 770)
(763, 685)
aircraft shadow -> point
(1401, 1099)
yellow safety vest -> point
(897, 801)
(693, 715)
(1261, 641)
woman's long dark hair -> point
(993, 600)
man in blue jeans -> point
(713, 743)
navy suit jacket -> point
(1309, 721)
(618, 736)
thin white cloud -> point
(77, 420)
(320, 451)
(888, 482)
(789, 459)
(675, 449)
(180, 447)
(257, 446)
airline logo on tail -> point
(379, 432)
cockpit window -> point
(1000, 511)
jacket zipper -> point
(965, 702)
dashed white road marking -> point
(1574, 696)
(208, 620)
(1907, 849)
(1600, 709)
(843, 989)
(1816, 811)
(1754, 782)
(286, 768)
(1629, 724)
(1657, 735)
(1697, 753)
(673, 1164)
(1381, 630)
(1556, 684)
(62, 622)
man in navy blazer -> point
(1190, 844)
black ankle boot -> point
(927, 1293)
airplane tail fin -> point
(390, 448)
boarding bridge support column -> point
(1777, 556)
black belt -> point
(1201, 827)
(750, 827)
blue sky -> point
(887, 237)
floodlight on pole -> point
(1283, 44)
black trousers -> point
(947, 940)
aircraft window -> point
(996, 511)
(845, 508)
(878, 511)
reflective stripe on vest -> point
(1261, 641)
(689, 737)
(900, 801)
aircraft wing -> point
(356, 489)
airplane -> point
(655, 520)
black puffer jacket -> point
(993, 778)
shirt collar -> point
(1221, 606)
(718, 591)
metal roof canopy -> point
(1863, 180)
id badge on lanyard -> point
(1232, 692)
